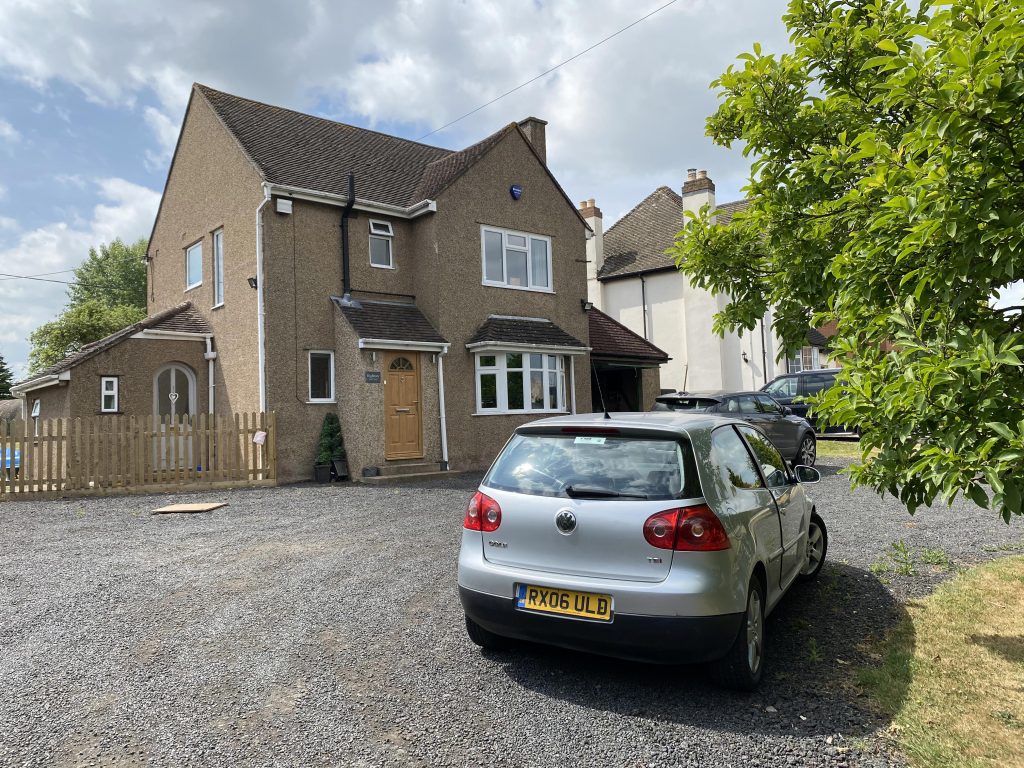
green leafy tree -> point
(77, 326)
(887, 193)
(6, 379)
(114, 274)
(108, 294)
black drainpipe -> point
(346, 277)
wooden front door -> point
(403, 419)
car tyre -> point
(817, 547)
(742, 667)
(807, 454)
(484, 637)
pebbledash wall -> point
(212, 186)
(437, 260)
(135, 363)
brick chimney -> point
(534, 129)
(595, 250)
(698, 191)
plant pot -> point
(322, 473)
(340, 467)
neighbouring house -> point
(433, 299)
(633, 280)
(627, 367)
(10, 409)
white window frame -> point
(309, 376)
(218, 268)
(36, 408)
(189, 286)
(505, 247)
(382, 230)
(500, 369)
(104, 393)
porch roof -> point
(382, 321)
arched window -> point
(174, 391)
(402, 364)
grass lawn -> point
(843, 449)
(952, 676)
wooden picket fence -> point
(126, 454)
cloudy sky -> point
(92, 94)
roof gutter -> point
(412, 346)
(370, 206)
(512, 346)
(41, 383)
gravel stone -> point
(320, 625)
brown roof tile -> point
(523, 330)
(637, 242)
(389, 320)
(181, 319)
(610, 338)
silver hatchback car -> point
(662, 537)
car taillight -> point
(482, 513)
(694, 529)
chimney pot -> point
(702, 174)
(691, 174)
(590, 203)
(583, 203)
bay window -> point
(520, 382)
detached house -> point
(433, 299)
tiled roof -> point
(523, 330)
(610, 338)
(440, 173)
(299, 150)
(180, 319)
(816, 338)
(389, 320)
(637, 242)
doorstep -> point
(436, 474)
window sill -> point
(110, 413)
(383, 266)
(516, 287)
(193, 287)
(321, 402)
(217, 306)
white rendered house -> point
(630, 278)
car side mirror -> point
(807, 475)
(787, 411)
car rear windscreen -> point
(683, 404)
(545, 465)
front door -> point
(403, 420)
(174, 396)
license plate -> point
(564, 602)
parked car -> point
(793, 435)
(662, 537)
(793, 389)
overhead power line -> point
(548, 71)
(36, 275)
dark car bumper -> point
(657, 639)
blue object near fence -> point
(7, 459)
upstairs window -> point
(108, 394)
(381, 235)
(194, 266)
(218, 267)
(516, 259)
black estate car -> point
(791, 434)
(793, 389)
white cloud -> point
(126, 211)
(8, 132)
(624, 117)
(9, 224)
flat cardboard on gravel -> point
(189, 508)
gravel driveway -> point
(321, 626)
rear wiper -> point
(599, 493)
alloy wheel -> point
(755, 632)
(815, 547)
(808, 452)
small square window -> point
(194, 266)
(321, 377)
(109, 394)
(381, 228)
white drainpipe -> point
(210, 357)
(260, 309)
(440, 400)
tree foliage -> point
(114, 274)
(6, 379)
(77, 326)
(887, 193)
(108, 294)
